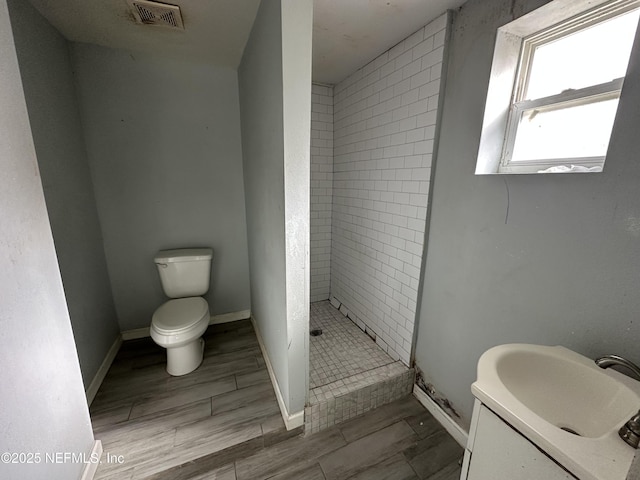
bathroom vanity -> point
(498, 451)
(548, 413)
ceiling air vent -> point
(154, 13)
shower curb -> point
(326, 412)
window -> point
(564, 91)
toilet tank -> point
(184, 272)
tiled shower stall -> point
(372, 142)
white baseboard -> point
(93, 387)
(136, 333)
(215, 319)
(92, 466)
(230, 317)
(459, 434)
(291, 421)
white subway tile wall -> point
(321, 189)
(384, 126)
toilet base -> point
(185, 359)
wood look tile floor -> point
(222, 422)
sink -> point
(563, 403)
(565, 392)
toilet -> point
(178, 324)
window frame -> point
(513, 57)
(584, 96)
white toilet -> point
(178, 324)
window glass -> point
(592, 56)
(570, 132)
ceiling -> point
(347, 33)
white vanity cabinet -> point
(496, 451)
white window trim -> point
(506, 84)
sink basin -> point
(562, 402)
(565, 392)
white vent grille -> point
(158, 14)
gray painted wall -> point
(164, 146)
(543, 259)
(44, 409)
(260, 83)
(273, 159)
(45, 67)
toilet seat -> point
(179, 315)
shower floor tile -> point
(349, 374)
(342, 351)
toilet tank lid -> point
(183, 255)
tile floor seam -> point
(410, 465)
(324, 474)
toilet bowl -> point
(177, 325)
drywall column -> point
(47, 78)
(275, 104)
(543, 259)
(44, 409)
(384, 127)
(321, 189)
